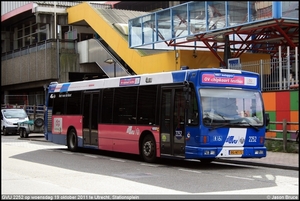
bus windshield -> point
(232, 107)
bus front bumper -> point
(225, 152)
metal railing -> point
(43, 45)
(277, 73)
(285, 132)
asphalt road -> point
(30, 167)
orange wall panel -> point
(294, 118)
(269, 101)
(270, 134)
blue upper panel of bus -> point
(204, 77)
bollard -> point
(284, 134)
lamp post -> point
(111, 61)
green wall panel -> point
(294, 100)
(272, 115)
(280, 135)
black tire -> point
(39, 122)
(25, 134)
(21, 133)
(4, 131)
(72, 140)
(149, 149)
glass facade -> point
(186, 20)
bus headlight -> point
(259, 152)
(209, 152)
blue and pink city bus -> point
(199, 114)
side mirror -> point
(267, 117)
(186, 85)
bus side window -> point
(146, 105)
(166, 125)
(125, 105)
(107, 105)
(58, 104)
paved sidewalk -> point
(273, 159)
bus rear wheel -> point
(149, 149)
(72, 141)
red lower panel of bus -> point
(61, 124)
(123, 138)
(119, 138)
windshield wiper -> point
(220, 126)
(218, 114)
(257, 129)
(245, 122)
(227, 124)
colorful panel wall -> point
(282, 105)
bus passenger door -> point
(172, 130)
(90, 118)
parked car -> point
(10, 119)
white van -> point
(10, 119)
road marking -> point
(91, 156)
(239, 177)
(187, 170)
(150, 165)
(31, 144)
(67, 152)
(118, 160)
(284, 185)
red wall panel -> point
(283, 101)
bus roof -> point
(160, 78)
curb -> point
(286, 167)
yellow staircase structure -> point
(140, 61)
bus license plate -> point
(236, 152)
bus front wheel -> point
(149, 149)
(72, 140)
